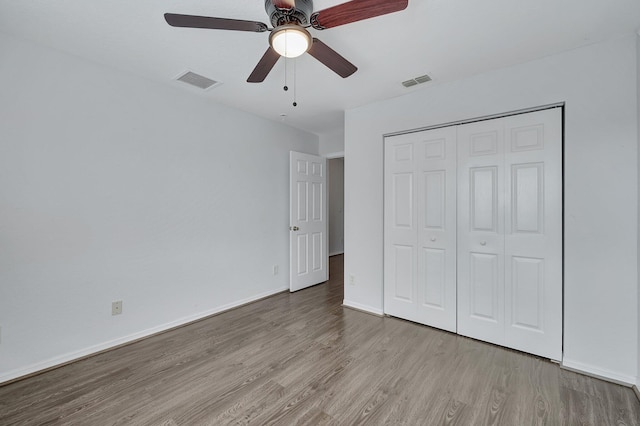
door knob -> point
(483, 243)
(294, 228)
(433, 238)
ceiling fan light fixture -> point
(290, 40)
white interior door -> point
(308, 221)
(510, 232)
(420, 227)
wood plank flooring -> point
(304, 359)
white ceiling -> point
(447, 39)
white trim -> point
(363, 308)
(333, 155)
(476, 119)
(599, 373)
(101, 347)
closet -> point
(473, 230)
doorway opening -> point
(335, 199)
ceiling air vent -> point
(416, 80)
(197, 80)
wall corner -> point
(638, 209)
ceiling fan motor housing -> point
(281, 16)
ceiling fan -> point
(289, 36)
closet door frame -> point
(559, 266)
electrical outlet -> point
(276, 269)
(116, 307)
(352, 279)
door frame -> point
(333, 156)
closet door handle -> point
(433, 238)
(483, 243)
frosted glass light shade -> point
(290, 41)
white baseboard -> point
(363, 308)
(598, 373)
(67, 358)
(336, 253)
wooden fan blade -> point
(331, 59)
(264, 66)
(191, 21)
(355, 10)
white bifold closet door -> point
(510, 232)
(473, 230)
(420, 227)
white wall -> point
(598, 84)
(335, 191)
(332, 143)
(116, 188)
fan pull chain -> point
(285, 87)
(295, 103)
(286, 62)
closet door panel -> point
(420, 227)
(533, 233)
(433, 278)
(400, 229)
(484, 282)
(480, 231)
(436, 166)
